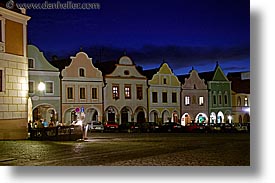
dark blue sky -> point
(185, 33)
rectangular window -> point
(164, 97)
(187, 100)
(245, 101)
(214, 100)
(31, 87)
(115, 91)
(139, 93)
(1, 39)
(70, 93)
(31, 63)
(49, 87)
(220, 99)
(94, 93)
(201, 101)
(1, 80)
(164, 81)
(174, 97)
(225, 99)
(155, 97)
(127, 91)
(82, 93)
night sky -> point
(184, 33)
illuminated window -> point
(31, 63)
(70, 93)
(174, 97)
(155, 97)
(164, 97)
(239, 101)
(82, 93)
(94, 93)
(201, 101)
(187, 100)
(127, 91)
(81, 72)
(245, 101)
(31, 86)
(115, 91)
(139, 93)
(49, 87)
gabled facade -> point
(194, 99)
(219, 96)
(125, 93)
(164, 96)
(13, 74)
(240, 96)
(82, 96)
(44, 87)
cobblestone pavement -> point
(135, 149)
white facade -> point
(125, 93)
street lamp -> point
(41, 86)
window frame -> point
(115, 91)
(2, 80)
(33, 63)
(94, 93)
(81, 72)
(164, 97)
(154, 97)
(127, 91)
(81, 91)
(187, 100)
(33, 86)
(139, 92)
(68, 93)
(201, 101)
(174, 97)
(47, 82)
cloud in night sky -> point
(178, 57)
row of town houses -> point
(32, 88)
(120, 91)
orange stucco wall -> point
(14, 38)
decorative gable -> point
(194, 82)
(165, 76)
(81, 66)
(219, 75)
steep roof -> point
(238, 84)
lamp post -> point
(41, 86)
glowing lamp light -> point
(41, 86)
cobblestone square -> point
(132, 149)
